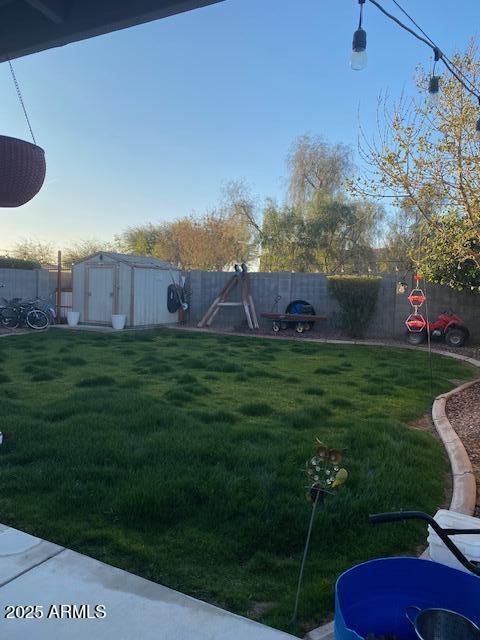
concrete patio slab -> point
(134, 607)
(20, 552)
(86, 327)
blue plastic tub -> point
(373, 597)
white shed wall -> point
(150, 296)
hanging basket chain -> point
(20, 98)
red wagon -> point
(300, 321)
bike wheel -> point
(37, 319)
(9, 318)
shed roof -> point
(28, 26)
(133, 260)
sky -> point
(146, 124)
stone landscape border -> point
(464, 489)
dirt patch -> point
(425, 423)
(259, 608)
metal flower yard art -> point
(324, 472)
(325, 476)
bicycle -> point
(17, 312)
(47, 307)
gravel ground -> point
(469, 350)
(463, 411)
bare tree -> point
(83, 248)
(29, 249)
(428, 157)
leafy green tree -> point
(286, 245)
(18, 263)
(140, 240)
(440, 264)
(319, 228)
(330, 234)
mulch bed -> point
(463, 411)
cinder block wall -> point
(388, 321)
(23, 283)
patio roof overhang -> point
(29, 26)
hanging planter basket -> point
(22, 171)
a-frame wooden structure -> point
(240, 278)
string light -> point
(359, 54)
(433, 86)
(434, 82)
(477, 128)
(359, 45)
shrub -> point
(18, 263)
(357, 299)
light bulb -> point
(359, 60)
(433, 88)
(359, 50)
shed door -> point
(100, 294)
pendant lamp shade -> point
(22, 171)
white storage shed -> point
(106, 283)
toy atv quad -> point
(448, 326)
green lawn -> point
(179, 456)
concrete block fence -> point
(23, 283)
(388, 321)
